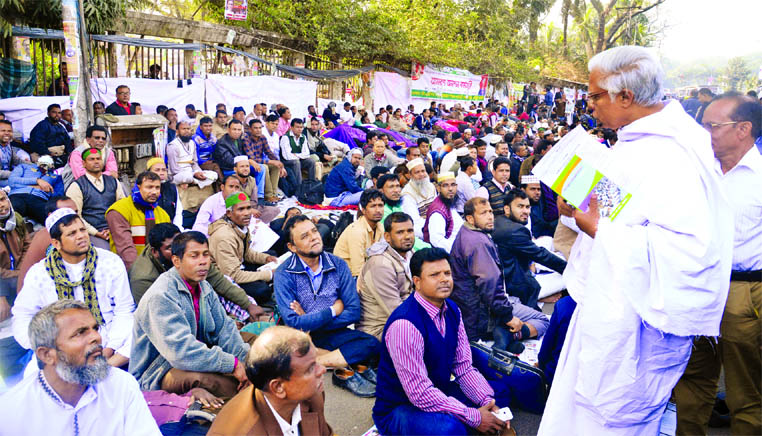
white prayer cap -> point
(529, 178)
(45, 160)
(414, 163)
(445, 176)
(56, 216)
(468, 131)
(240, 159)
(462, 151)
(356, 150)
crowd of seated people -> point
(157, 277)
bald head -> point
(271, 355)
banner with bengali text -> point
(447, 84)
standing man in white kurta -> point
(73, 269)
(648, 282)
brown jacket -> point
(383, 284)
(230, 247)
(248, 414)
(355, 241)
(18, 241)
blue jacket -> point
(291, 283)
(422, 124)
(46, 134)
(204, 147)
(24, 177)
(341, 179)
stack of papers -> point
(579, 166)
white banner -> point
(151, 93)
(447, 84)
(26, 112)
(246, 91)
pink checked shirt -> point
(405, 344)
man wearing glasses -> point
(654, 278)
(122, 105)
(97, 138)
(733, 121)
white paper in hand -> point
(262, 236)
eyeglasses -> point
(711, 126)
(596, 95)
(124, 93)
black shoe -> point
(355, 384)
(367, 373)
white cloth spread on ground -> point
(114, 406)
(647, 282)
(114, 299)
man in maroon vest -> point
(442, 219)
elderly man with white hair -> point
(646, 283)
(75, 390)
(419, 187)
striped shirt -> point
(405, 344)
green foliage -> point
(738, 75)
(100, 15)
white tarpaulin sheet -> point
(26, 112)
(390, 89)
(246, 91)
(151, 93)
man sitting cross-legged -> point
(316, 293)
(479, 291)
(385, 281)
(361, 234)
(76, 391)
(157, 259)
(286, 393)
(182, 336)
(230, 246)
(74, 269)
(424, 344)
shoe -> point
(351, 381)
(367, 373)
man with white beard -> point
(646, 283)
(76, 391)
(419, 187)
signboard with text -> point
(236, 9)
(447, 84)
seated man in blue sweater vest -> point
(424, 342)
(315, 292)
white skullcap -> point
(240, 159)
(468, 131)
(56, 216)
(445, 176)
(45, 160)
(462, 151)
(529, 178)
(356, 150)
(414, 163)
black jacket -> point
(226, 150)
(115, 109)
(517, 251)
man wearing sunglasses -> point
(648, 281)
(97, 138)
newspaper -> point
(579, 166)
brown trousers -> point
(739, 349)
(271, 180)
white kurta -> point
(114, 406)
(114, 298)
(410, 207)
(438, 229)
(645, 285)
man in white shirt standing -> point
(76, 391)
(443, 222)
(648, 282)
(74, 269)
(733, 121)
(296, 153)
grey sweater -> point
(165, 334)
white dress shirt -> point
(438, 229)
(115, 406)
(285, 146)
(743, 187)
(273, 140)
(288, 429)
(466, 189)
(111, 286)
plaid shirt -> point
(17, 78)
(258, 149)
